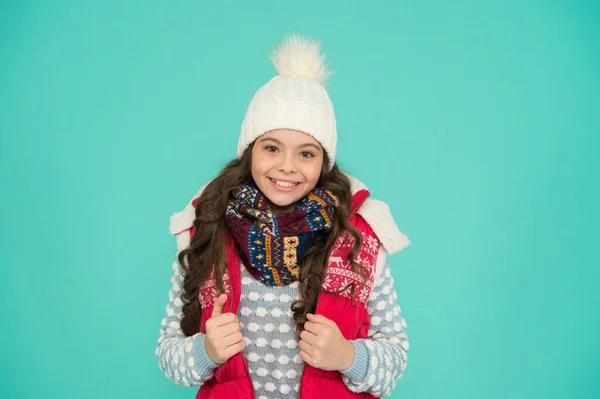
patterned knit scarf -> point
(271, 245)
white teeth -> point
(283, 183)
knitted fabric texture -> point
(272, 350)
(271, 245)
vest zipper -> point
(318, 297)
(244, 360)
(355, 210)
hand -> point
(323, 345)
(223, 336)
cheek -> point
(259, 165)
(314, 172)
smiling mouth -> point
(283, 183)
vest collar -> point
(379, 217)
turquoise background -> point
(477, 122)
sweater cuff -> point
(203, 364)
(360, 366)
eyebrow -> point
(300, 146)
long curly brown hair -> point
(207, 246)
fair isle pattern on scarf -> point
(271, 245)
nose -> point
(287, 164)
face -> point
(286, 166)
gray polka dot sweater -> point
(272, 350)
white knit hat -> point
(295, 99)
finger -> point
(219, 305)
(319, 318)
(314, 328)
(228, 329)
(233, 349)
(231, 339)
(221, 320)
(305, 346)
(308, 337)
(307, 358)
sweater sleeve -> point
(381, 358)
(182, 359)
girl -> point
(281, 286)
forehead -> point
(289, 136)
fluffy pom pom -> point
(300, 56)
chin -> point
(282, 199)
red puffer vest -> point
(347, 310)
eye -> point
(271, 148)
(307, 154)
